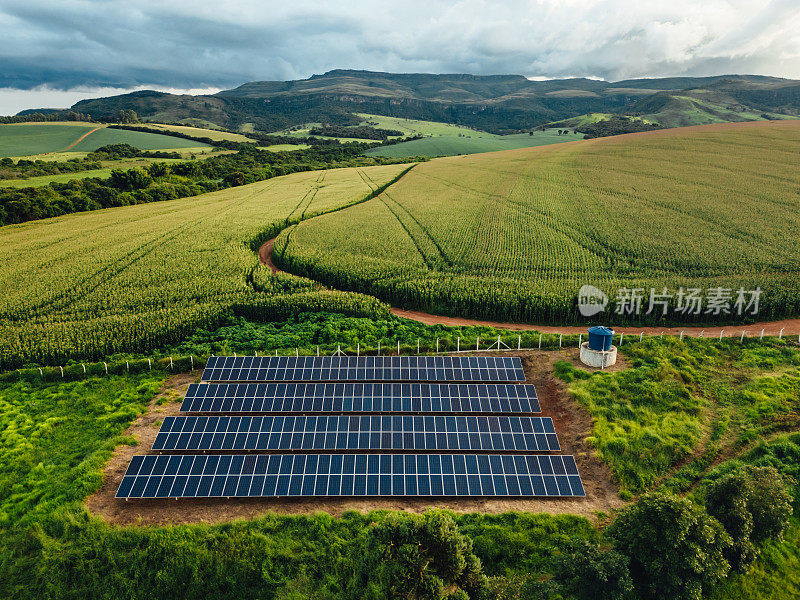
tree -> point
(234, 179)
(753, 505)
(590, 573)
(675, 548)
(417, 557)
(132, 179)
(127, 116)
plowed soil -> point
(572, 423)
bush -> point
(676, 549)
(417, 557)
(589, 573)
(753, 505)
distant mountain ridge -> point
(495, 103)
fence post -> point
(560, 337)
(417, 345)
(62, 372)
(458, 344)
(149, 365)
(621, 335)
(681, 336)
(358, 349)
(741, 339)
(191, 362)
(317, 350)
(40, 373)
(276, 352)
(641, 335)
(170, 363)
(762, 335)
(721, 331)
(580, 340)
(702, 331)
(477, 342)
(398, 347)
(105, 364)
(519, 342)
(84, 368)
(540, 341)
(127, 366)
(297, 351)
(379, 348)
(780, 334)
(437, 345)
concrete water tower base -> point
(598, 358)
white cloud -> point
(222, 43)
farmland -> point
(514, 235)
(25, 139)
(137, 277)
(474, 143)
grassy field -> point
(26, 139)
(435, 146)
(514, 235)
(21, 139)
(137, 277)
(212, 134)
(138, 139)
(444, 139)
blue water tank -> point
(600, 338)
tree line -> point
(363, 132)
(162, 181)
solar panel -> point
(361, 397)
(364, 432)
(278, 475)
(363, 368)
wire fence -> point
(509, 342)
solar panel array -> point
(204, 476)
(363, 368)
(360, 397)
(356, 426)
(365, 432)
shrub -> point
(676, 549)
(753, 505)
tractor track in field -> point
(789, 326)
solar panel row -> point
(202, 476)
(361, 397)
(414, 433)
(363, 368)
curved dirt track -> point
(790, 327)
(80, 139)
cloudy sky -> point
(56, 52)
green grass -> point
(25, 139)
(21, 139)
(213, 134)
(692, 401)
(776, 573)
(513, 236)
(138, 139)
(56, 437)
(477, 142)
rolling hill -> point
(512, 236)
(495, 103)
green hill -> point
(496, 103)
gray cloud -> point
(222, 43)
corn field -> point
(135, 278)
(513, 236)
